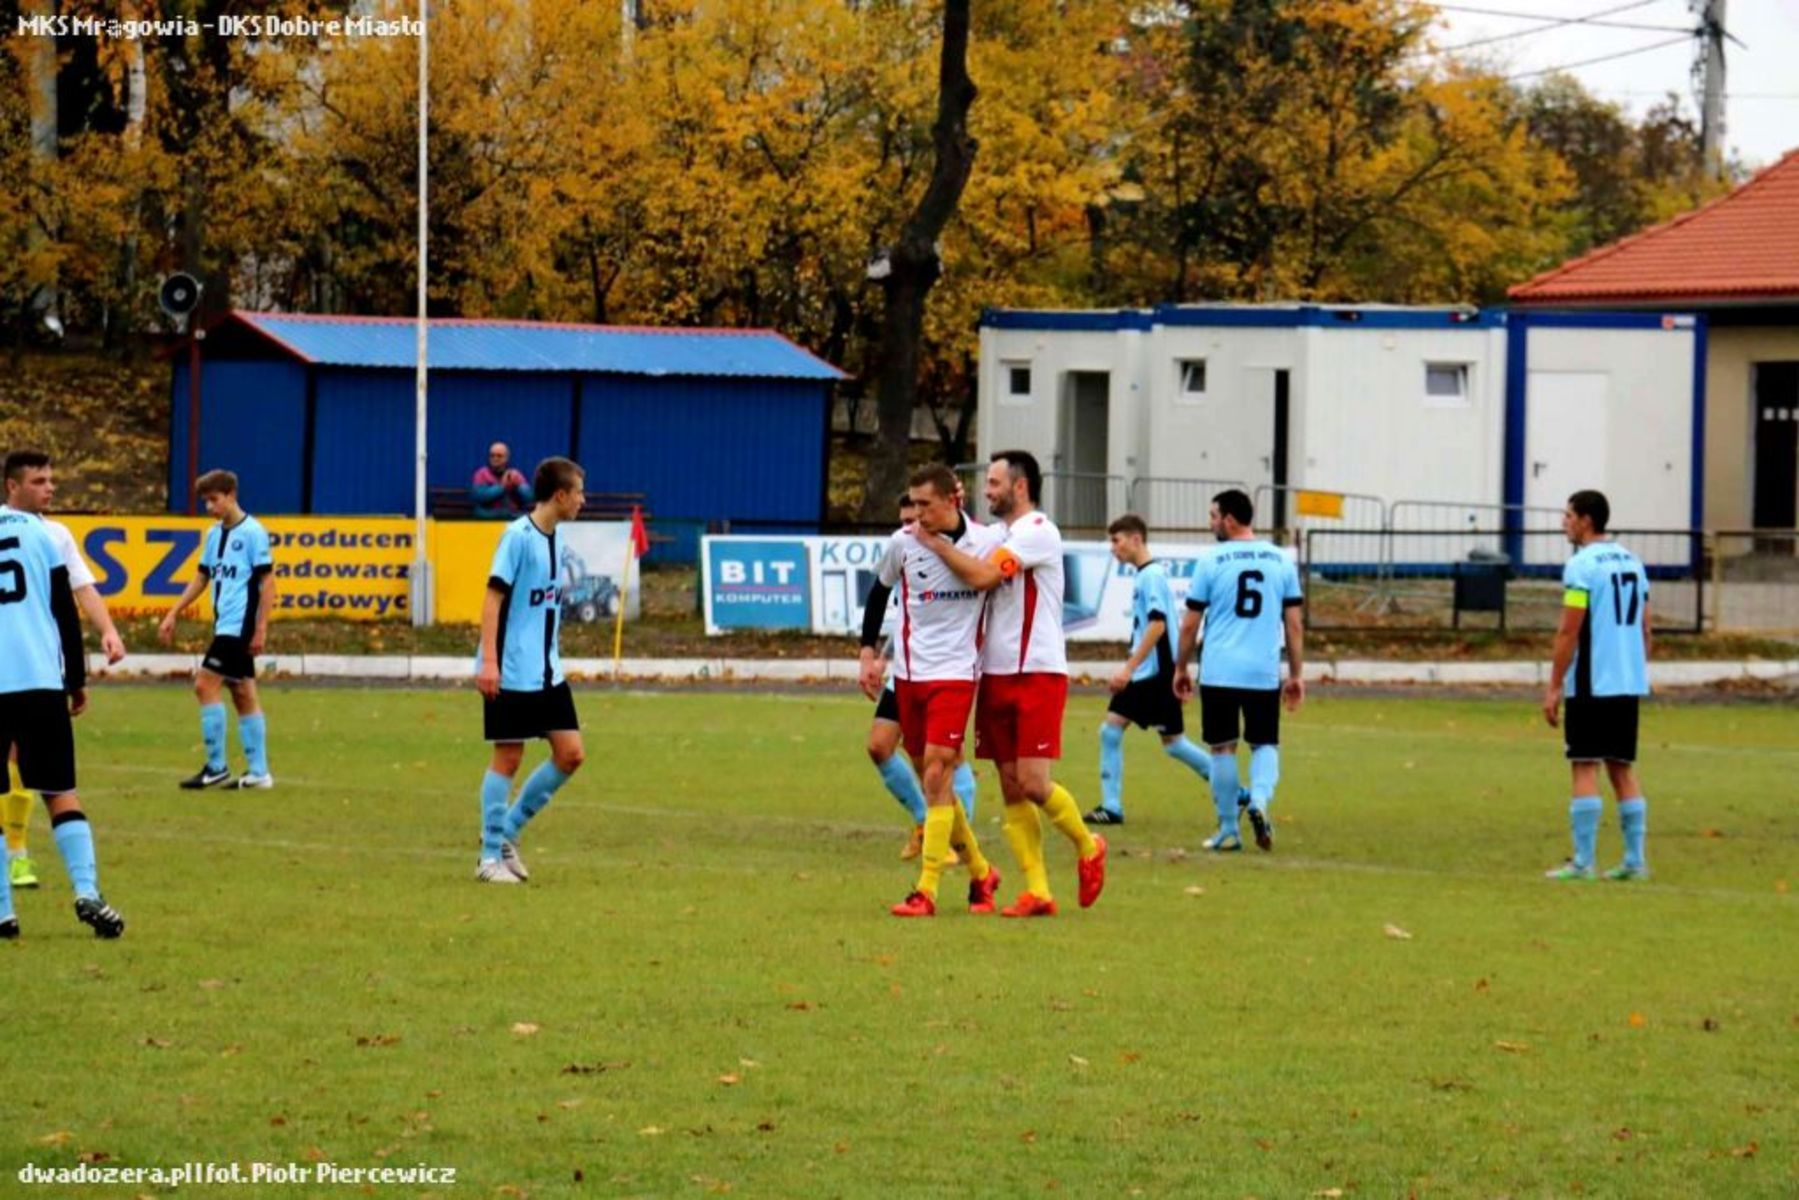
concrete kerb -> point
(843, 670)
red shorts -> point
(934, 712)
(1020, 716)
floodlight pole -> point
(422, 596)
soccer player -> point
(43, 685)
(236, 561)
(1143, 688)
(1248, 593)
(30, 487)
(934, 668)
(1601, 665)
(1024, 678)
(519, 670)
(884, 733)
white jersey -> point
(1024, 613)
(80, 575)
(940, 615)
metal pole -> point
(193, 414)
(1711, 129)
(421, 562)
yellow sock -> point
(938, 824)
(962, 836)
(15, 810)
(1065, 815)
(1024, 831)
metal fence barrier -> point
(1168, 503)
(1487, 589)
(1755, 581)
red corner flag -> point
(640, 535)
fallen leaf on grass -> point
(1713, 833)
(729, 1080)
(93, 1156)
(525, 1028)
(1028, 1137)
(377, 1040)
(1709, 1025)
(157, 1043)
(1078, 1061)
(210, 985)
(1638, 1020)
(570, 1103)
(765, 1127)
(1512, 1047)
(1481, 985)
(1622, 1135)
(1128, 1057)
(1194, 890)
(277, 1122)
(593, 1068)
(652, 1131)
(1332, 1193)
(1396, 933)
(61, 1137)
(802, 1006)
(1745, 1151)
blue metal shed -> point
(316, 413)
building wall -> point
(1034, 423)
(1730, 356)
(252, 421)
(1646, 463)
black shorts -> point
(887, 707)
(1220, 707)
(230, 659)
(37, 724)
(1150, 704)
(1600, 728)
(523, 716)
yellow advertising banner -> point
(353, 567)
(1321, 504)
(461, 557)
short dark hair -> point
(1234, 503)
(905, 498)
(935, 476)
(556, 474)
(21, 461)
(1129, 523)
(1593, 505)
(217, 483)
(1023, 462)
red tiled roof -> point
(1743, 246)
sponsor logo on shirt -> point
(958, 594)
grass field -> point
(699, 991)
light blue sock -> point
(212, 732)
(1583, 819)
(963, 784)
(1264, 773)
(5, 891)
(75, 842)
(1224, 791)
(532, 797)
(495, 787)
(1633, 819)
(1192, 757)
(253, 731)
(1111, 768)
(902, 785)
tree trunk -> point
(914, 267)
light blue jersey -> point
(525, 568)
(34, 584)
(1151, 600)
(236, 559)
(1608, 583)
(1243, 588)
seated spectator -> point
(500, 490)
